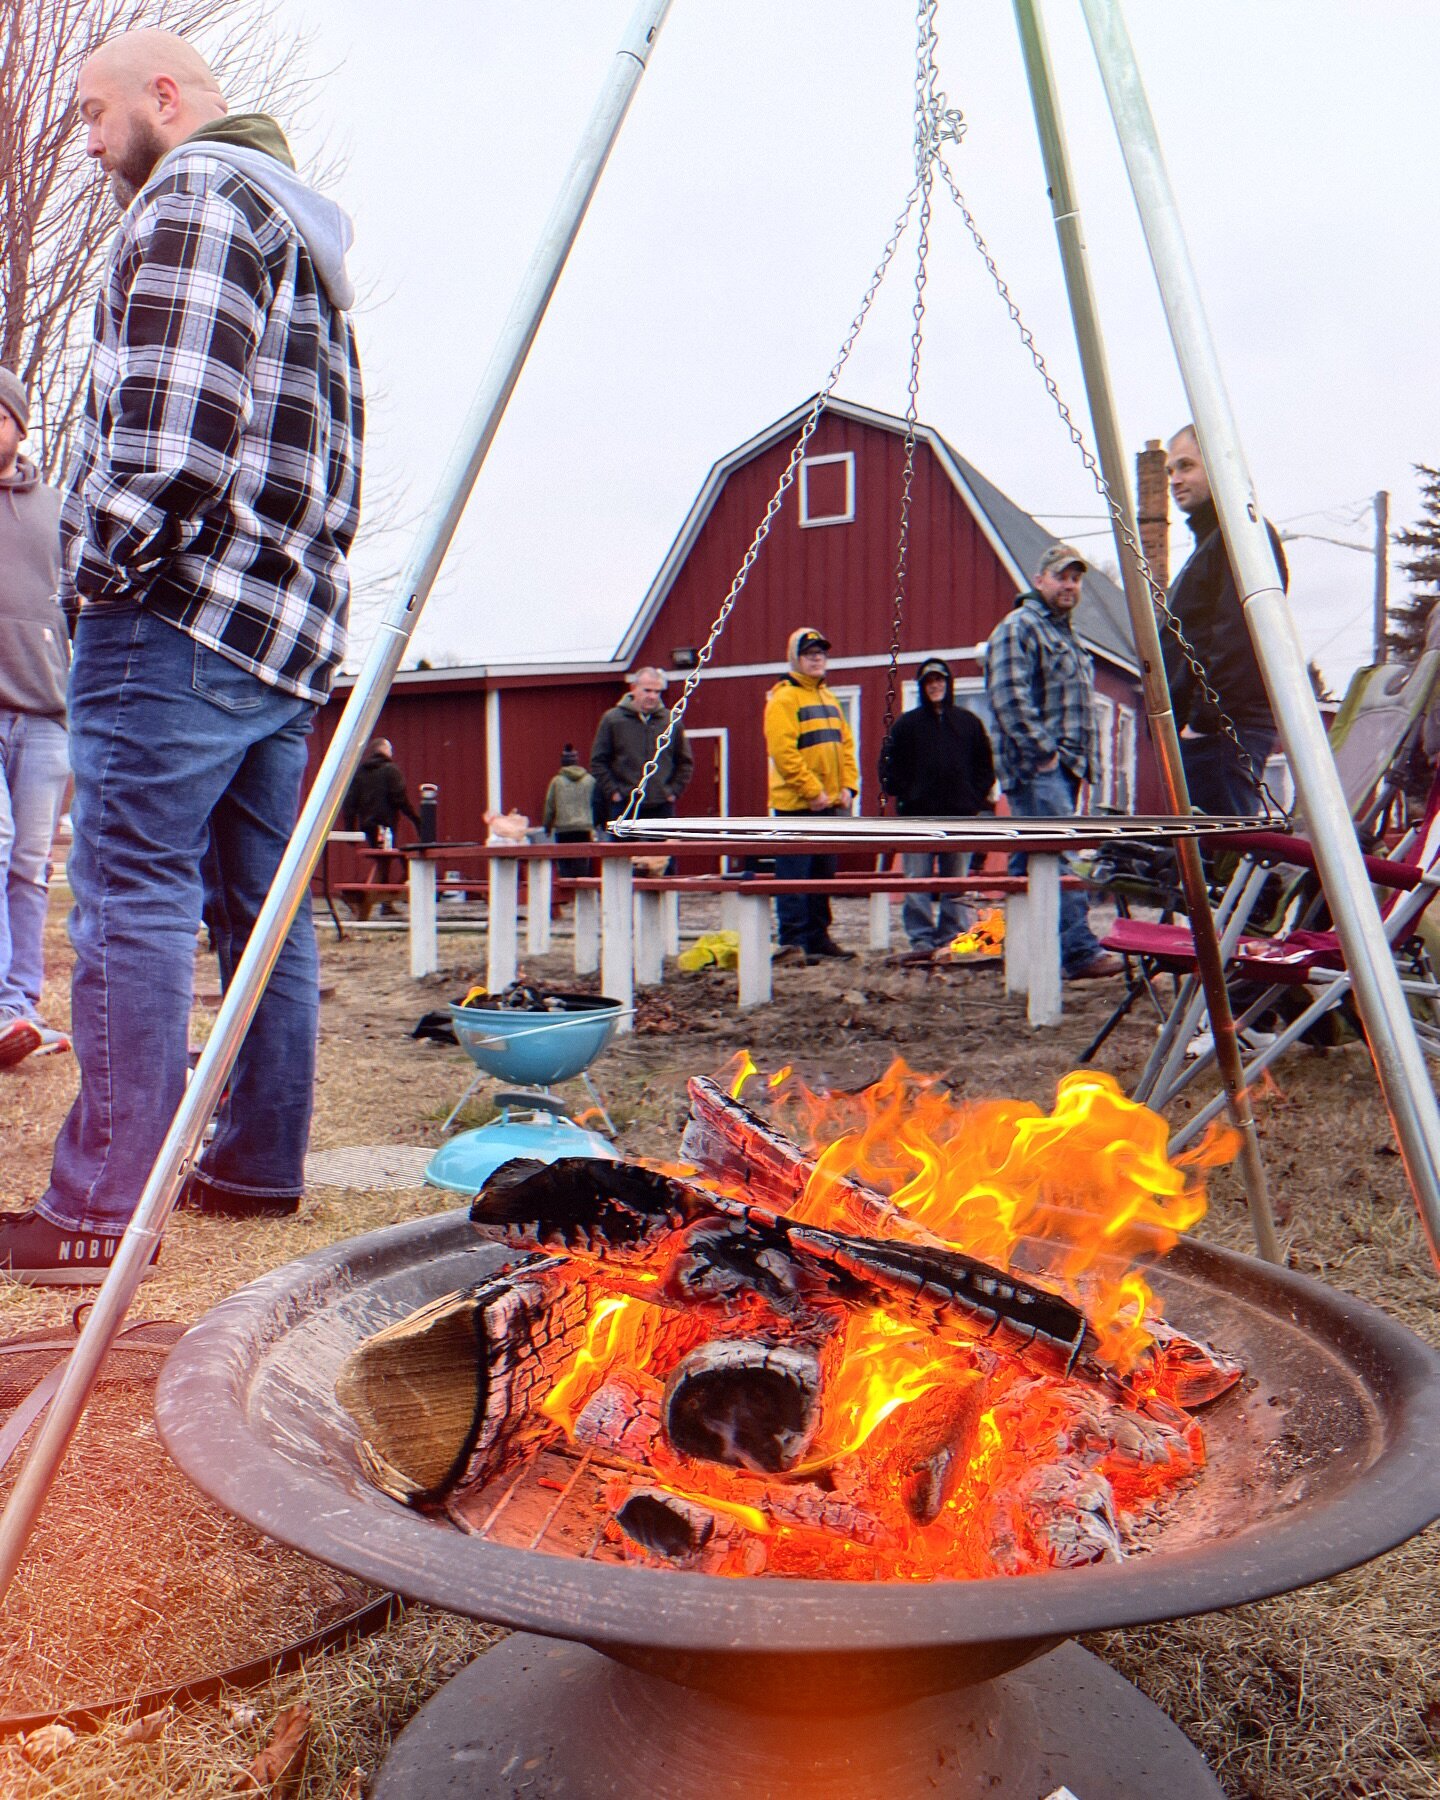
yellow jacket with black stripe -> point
(808, 738)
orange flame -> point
(985, 936)
(1077, 1197)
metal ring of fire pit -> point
(1339, 1427)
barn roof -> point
(1017, 539)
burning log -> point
(928, 1455)
(725, 1248)
(665, 1524)
(622, 1416)
(749, 1405)
(446, 1396)
(1187, 1371)
(1061, 1514)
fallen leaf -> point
(146, 1730)
(44, 1746)
(279, 1766)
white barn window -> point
(827, 490)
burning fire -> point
(936, 1453)
(985, 936)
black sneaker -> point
(40, 1254)
(828, 947)
(202, 1196)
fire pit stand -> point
(788, 1688)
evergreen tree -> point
(1408, 618)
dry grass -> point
(1316, 1696)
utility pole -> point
(1382, 571)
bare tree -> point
(58, 212)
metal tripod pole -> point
(1113, 466)
(292, 879)
(1399, 1062)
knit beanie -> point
(569, 756)
(14, 398)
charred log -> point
(622, 1417)
(615, 1210)
(665, 1524)
(748, 1405)
(930, 1449)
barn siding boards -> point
(971, 549)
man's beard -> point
(136, 163)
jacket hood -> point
(627, 704)
(574, 772)
(21, 479)
(935, 665)
(255, 146)
(792, 645)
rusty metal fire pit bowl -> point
(777, 1688)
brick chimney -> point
(1154, 512)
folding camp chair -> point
(1306, 957)
(1379, 718)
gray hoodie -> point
(34, 643)
(255, 145)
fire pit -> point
(793, 1687)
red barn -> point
(491, 736)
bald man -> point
(1205, 599)
(210, 505)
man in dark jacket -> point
(376, 802)
(625, 741)
(1205, 600)
(937, 764)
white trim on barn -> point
(846, 516)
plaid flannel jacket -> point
(1038, 679)
(216, 474)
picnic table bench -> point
(631, 920)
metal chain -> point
(762, 531)
(1117, 512)
(925, 153)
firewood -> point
(747, 1404)
(447, 1394)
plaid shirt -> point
(1038, 679)
(216, 474)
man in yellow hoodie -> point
(812, 770)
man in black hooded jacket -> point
(1205, 600)
(937, 764)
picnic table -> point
(627, 923)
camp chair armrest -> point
(1281, 847)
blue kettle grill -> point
(530, 1049)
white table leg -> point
(1043, 928)
(670, 923)
(754, 931)
(617, 934)
(1017, 963)
(730, 912)
(649, 941)
(587, 931)
(504, 927)
(424, 939)
(879, 921)
(538, 875)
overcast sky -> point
(753, 186)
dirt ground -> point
(1331, 1694)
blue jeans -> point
(1215, 775)
(804, 919)
(33, 771)
(933, 920)
(183, 762)
(1051, 795)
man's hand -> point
(847, 799)
(822, 802)
(1051, 762)
(615, 798)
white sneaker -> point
(52, 1042)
